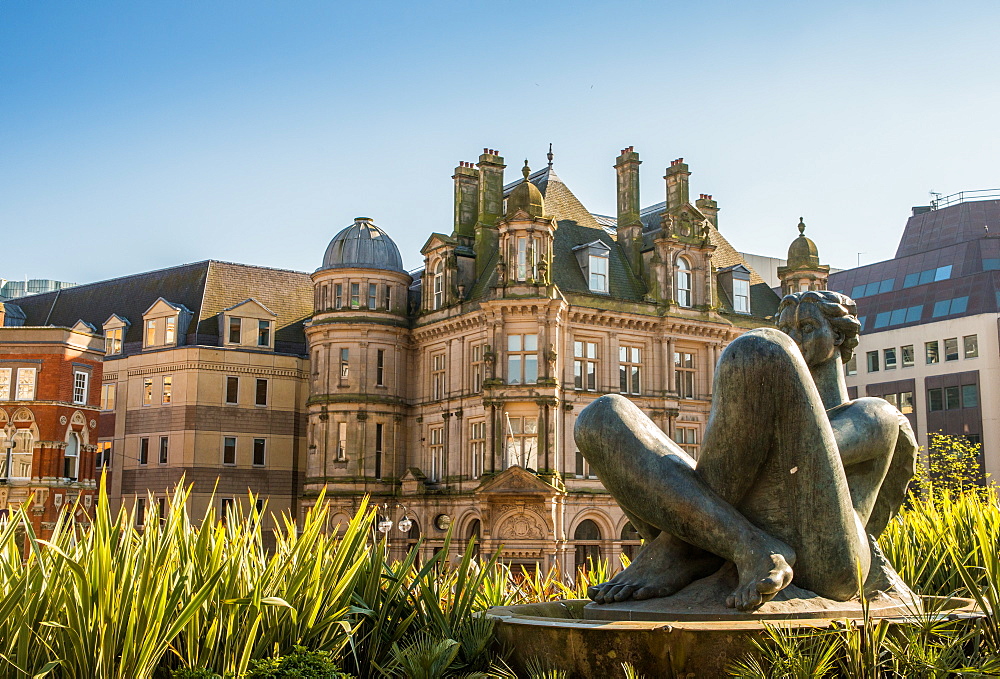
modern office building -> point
(930, 322)
(11, 289)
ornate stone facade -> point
(456, 411)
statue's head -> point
(822, 322)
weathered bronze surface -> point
(794, 481)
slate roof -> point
(763, 300)
(949, 226)
(206, 288)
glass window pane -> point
(871, 289)
(911, 280)
(970, 396)
(931, 349)
(872, 361)
(623, 354)
(951, 398)
(935, 400)
(898, 316)
(513, 370)
(951, 349)
(530, 369)
(913, 313)
(513, 342)
(891, 398)
(578, 349)
(858, 291)
(906, 402)
(886, 285)
(882, 319)
(971, 343)
(530, 342)
(942, 273)
(941, 308)
(959, 305)
(926, 277)
(907, 352)
(890, 358)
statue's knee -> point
(764, 348)
(596, 423)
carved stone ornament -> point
(63, 420)
(93, 424)
(523, 526)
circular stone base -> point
(705, 599)
(557, 636)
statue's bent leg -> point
(653, 479)
(769, 449)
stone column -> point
(668, 365)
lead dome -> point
(362, 245)
(803, 251)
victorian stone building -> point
(448, 394)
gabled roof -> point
(206, 288)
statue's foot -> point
(664, 566)
(762, 574)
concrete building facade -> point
(929, 342)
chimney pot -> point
(485, 150)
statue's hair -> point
(840, 310)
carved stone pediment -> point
(518, 481)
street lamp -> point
(385, 523)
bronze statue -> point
(793, 482)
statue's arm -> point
(865, 429)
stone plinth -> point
(558, 635)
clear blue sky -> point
(139, 135)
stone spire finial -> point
(802, 227)
(525, 170)
(549, 155)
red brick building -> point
(50, 388)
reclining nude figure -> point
(793, 483)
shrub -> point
(301, 663)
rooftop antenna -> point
(859, 257)
(936, 199)
(549, 155)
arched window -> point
(587, 537)
(20, 454)
(71, 458)
(630, 540)
(683, 282)
(475, 529)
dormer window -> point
(164, 324)
(598, 273)
(248, 324)
(683, 282)
(113, 341)
(741, 296)
(593, 261)
(115, 329)
(735, 281)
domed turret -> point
(525, 196)
(802, 252)
(362, 245)
(803, 271)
